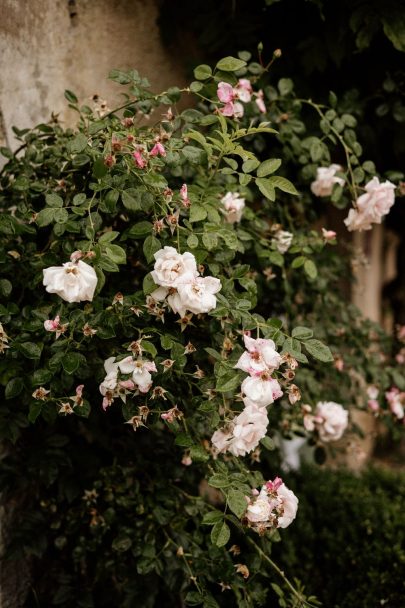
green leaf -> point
(140, 230)
(268, 166)
(45, 217)
(210, 240)
(250, 165)
(78, 144)
(14, 387)
(196, 156)
(197, 213)
(266, 188)
(116, 253)
(107, 237)
(30, 350)
(61, 216)
(41, 377)
(5, 288)
(220, 534)
(150, 247)
(302, 333)
(35, 410)
(285, 86)
(230, 64)
(70, 96)
(72, 361)
(298, 261)
(283, 184)
(227, 383)
(130, 202)
(268, 443)
(202, 72)
(79, 199)
(192, 241)
(237, 502)
(183, 440)
(99, 168)
(156, 180)
(219, 480)
(148, 284)
(54, 200)
(213, 517)
(310, 269)
(319, 350)
(198, 454)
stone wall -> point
(47, 46)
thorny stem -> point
(291, 587)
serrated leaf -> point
(116, 253)
(318, 350)
(213, 517)
(302, 333)
(283, 184)
(72, 361)
(150, 247)
(30, 350)
(197, 213)
(310, 269)
(13, 387)
(220, 534)
(202, 72)
(268, 166)
(219, 480)
(230, 64)
(237, 502)
(54, 200)
(45, 217)
(266, 188)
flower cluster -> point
(330, 420)
(372, 206)
(233, 206)
(232, 97)
(180, 283)
(136, 378)
(73, 281)
(259, 390)
(275, 506)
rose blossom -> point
(260, 101)
(371, 206)
(244, 433)
(325, 180)
(261, 390)
(395, 400)
(73, 282)
(328, 235)
(331, 420)
(158, 149)
(275, 506)
(260, 355)
(196, 295)
(140, 371)
(243, 90)
(184, 196)
(233, 207)
(225, 92)
(170, 266)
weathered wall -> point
(47, 46)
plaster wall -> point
(47, 46)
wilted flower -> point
(41, 393)
(158, 150)
(283, 240)
(184, 196)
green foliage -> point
(350, 529)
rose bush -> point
(156, 311)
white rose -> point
(259, 510)
(289, 504)
(261, 390)
(260, 355)
(196, 296)
(325, 180)
(73, 282)
(371, 206)
(109, 384)
(233, 207)
(331, 420)
(283, 240)
(140, 371)
(249, 428)
(220, 440)
(170, 266)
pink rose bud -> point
(139, 159)
(158, 149)
(328, 235)
(225, 92)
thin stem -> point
(291, 587)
